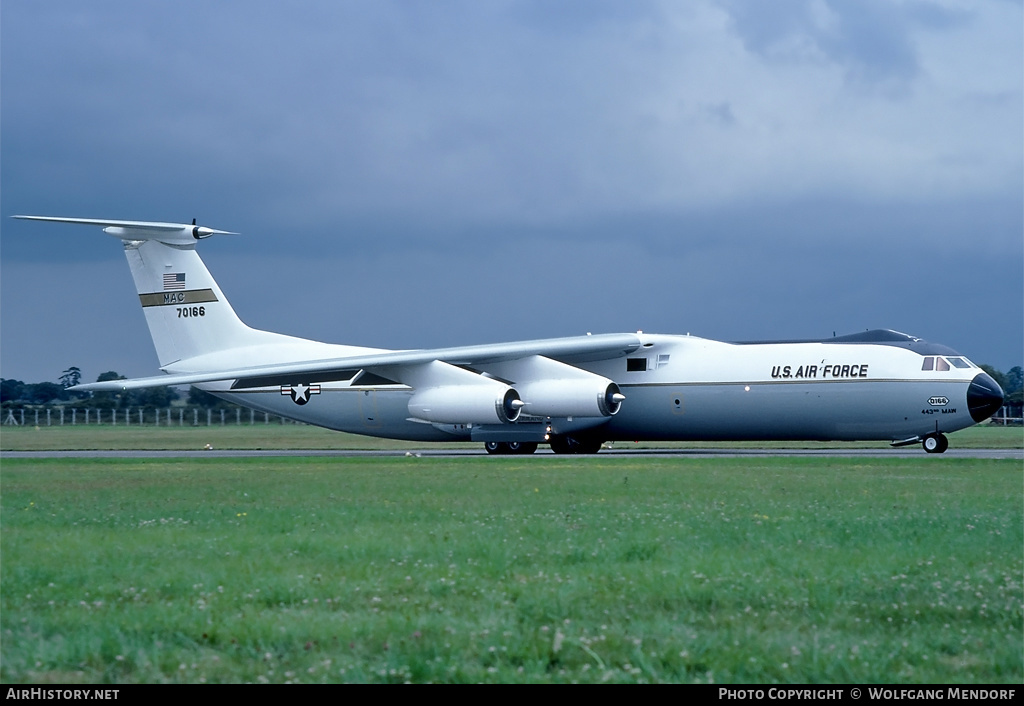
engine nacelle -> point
(586, 397)
(466, 404)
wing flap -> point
(248, 383)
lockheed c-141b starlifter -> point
(570, 393)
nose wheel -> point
(935, 443)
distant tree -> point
(1014, 380)
(44, 392)
(70, 377)
(1014, 387)
(11, 390)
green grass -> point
(229, 436)
(542, 569)
(299, 436)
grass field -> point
(607, 568)
(299, 436)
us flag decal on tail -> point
(174, 280)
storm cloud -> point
(412, 174)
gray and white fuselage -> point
(685, 388)
(573, 393)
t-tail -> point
(192, 324)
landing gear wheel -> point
(560, 445)
(588, 446)
(573, 445)
(935, 443)
(504, 448)
(496, 448)
(521, 448)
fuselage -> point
(678, 388)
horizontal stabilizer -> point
(171, 233)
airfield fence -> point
(138, 416)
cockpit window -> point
(943, 364)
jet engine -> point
(466, 404)
(585, 397)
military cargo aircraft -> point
(572, 394)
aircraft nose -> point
(984, 397)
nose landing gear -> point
(935, 443)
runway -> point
(908, 452)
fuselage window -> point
(636, 365)
(929, 364)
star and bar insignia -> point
(300, 393)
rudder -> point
(187, 313)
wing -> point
(576, 349)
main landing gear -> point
(506, 448)
(574, 445)
(559, 444)
(935, 443)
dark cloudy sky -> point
(419, 174)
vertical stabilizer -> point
(186, 311)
